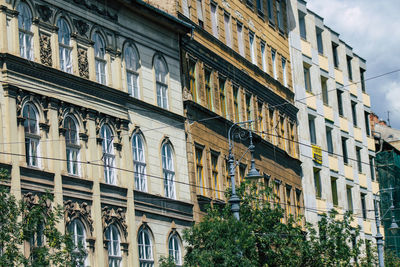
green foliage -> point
(391, 259)
(260, 238)
(36, 225)
(167, 261)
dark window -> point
(302, 25)
(349, 70)
(279, 15)
(349, 199)
(311, 125)
(354, 112)
(367, 129)
(319, 41)
(324, 88)
(335, 55)
(363, 206)
(329, 140)
(270, 11)
(344, 150)
(362, 71)
(340, 102)
(358, 155)
(334, 191)
(250, 3)
(317, 183)
(307, 78)
(260, 7)
(372, 168)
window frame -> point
(175, 251)
(312, 129)
(132, 73)
(284, 74)
(139, 162)
(307, 78)
(78, 240)
(334, 191)
(99, 58)
(302, 25)
(214, 19)
(329, 140)
(108, 154)
(344, 150)
(317, 183)
(145, 249)
(25, 33)
(161, 82)
(65, 48)
(208, 88)
(72, 148)
(252, 43)
(115, 257)
(200, 179)
(239, 29)
(274, 70)
(32, 136)
(228, 31)
(215, 174)
(168, 169)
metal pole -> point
(379, 238)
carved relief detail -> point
(44, 12)
(83, 63)
(45, 50)
(81, 211)
(116, 217)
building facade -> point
(91, 110)
(236, 68)
(336, 146)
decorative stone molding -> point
(45, 12)
(117, 125)
(31, 200)
(96, 9)
(45, 50)
(81, 26)
(83, 63)
(81, 211)
(116, 217)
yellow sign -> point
(317, 154)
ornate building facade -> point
(236, 68)
(336, 145)
(91, 110)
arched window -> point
(100, 61)
(25, 32)
(174, 249)
(168, 170)
(78, 235)
(145, 249)
(161, 81)
(114, 250)
(72, 145)
(132, 66)
(139, 162)
(31, 126)
(64, 42)
(108, 154)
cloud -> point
(372, 28)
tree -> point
(35, 224)
(261, 238)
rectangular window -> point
(31, 151)
(344, 150)
(372, 168)
(298, 203)
(317, 183)
(311, 125)
(288, 201)
(334, 191)
(307, 78)
(200, 13)
(354, 112)
(260, 119)
(192, 79)
(236, 103)
(271, 125)
(279, 14)
(282, 133)
(199, 171)
(367, 123)
(324, 88)
(100, 70)
(248, 108)
(65, 58)
(240, 39)
(349, 68)
(215, 177)
(349, 199)
(185, 8)
(214, 20)
(284, 72)
(270, 11)
(273, 56)
(249, 3)
(335, 55)
(363, 206)
(320, 44)
(242, 172)
(222, 97)
(72, 159)
(277, 191)
(359, 162)
(209, 93)
(260, 7)
(340, 102)
(263, 57)
(228, 35)
(26, 43)
(362, 72)
(302, 25)
(329, 140)
(252, 48)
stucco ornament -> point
(45, 50)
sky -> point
(372, 29)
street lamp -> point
(392, 228)
(252, 174)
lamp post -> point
(252, 174)
(393, 227)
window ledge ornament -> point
(84, 136)
(186, 94)
(91, 242)
(45, 50)
(83, 63)
(125, 247)
(32, 200)
(44, 126)
(110, 216)
(118, 146)
(45, 12)
(81, 26)
(75, 210)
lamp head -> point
(253, 174)
(393, 226)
